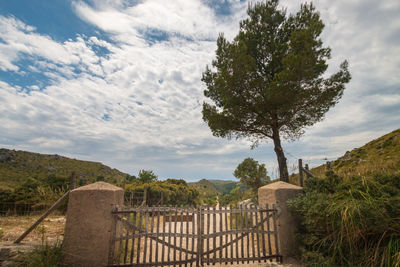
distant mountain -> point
(17, 166)
(381, 155)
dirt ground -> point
(51, 229)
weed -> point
(45, 255)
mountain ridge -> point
(16, 166)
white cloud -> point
(139, 105)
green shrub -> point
(352, 222)
(45, 255)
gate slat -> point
(193, 231)
(262, 235)
(241, 228)
(231, 221)
(237, 234)
(276, 232)
(163, 238)
(208, 232)
(121, 234)
(175, 223)
(244, 227)
(187, 237)
(252, 223)
(214, 231)
(246, 218)
(114, 233)
(126, 243)
(169, 237)
(133, 237)
(139, 238)
(226, 236)
(157, 233)
(220, 238)
(200, 227)
(269, 235)
(257, 235)
(151, 240)
(146, 216)
(180, 238)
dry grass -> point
(52, 228)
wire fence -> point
(21, 209)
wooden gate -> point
(165, 236)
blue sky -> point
(119, 82)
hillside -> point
(381, 155)
(17, 166)
(205, 187)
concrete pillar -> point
(278, 193)
(89, 224)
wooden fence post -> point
(301, 172)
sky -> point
(119, 82)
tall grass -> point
(352, 222)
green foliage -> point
(352, 222)
(225, 187)
(269, 81)
(237, 194)
(208, 192)
(130, 178)
(34, 195)
(175, 192)
(147, 176)
(45, 255)
(251, 173)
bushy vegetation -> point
(174, 192)
(33, 194)
(350, 222)
(237, 194)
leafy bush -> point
(351, 222)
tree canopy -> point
(147, 176)
(269, 82)
(251, 173)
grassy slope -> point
(17, 166)
(381, 155)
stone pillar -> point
(89, 224)
(278, 193)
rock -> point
(9, 253)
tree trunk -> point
(283, 170)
